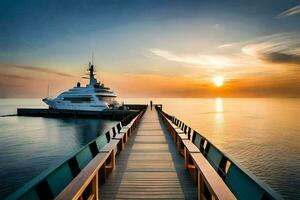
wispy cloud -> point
(239, 44)
(223, 46)
(198, 59)
(278, 48)
(292, 11)
(216, 26)
(37, 69)
(278, 57)
(15, 76)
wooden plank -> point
(178, 130)
(119, 136)
(110, 146)
(211, 178)
(183, 136)
(190, 146)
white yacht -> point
(94, 97)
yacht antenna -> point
(92, 57)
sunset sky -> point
(152, 48)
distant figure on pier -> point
(151, 104)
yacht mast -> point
(93, 81)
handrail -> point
(75, 189)
(207, 175)
(267, 193)
(213, 181)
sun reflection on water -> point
(219, 105)
(219, 109)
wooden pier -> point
(148, 155)
(149, 167)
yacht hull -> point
(74, 106)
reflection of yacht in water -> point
(94, 97)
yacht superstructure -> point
(94, 97)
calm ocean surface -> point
(29, 145)
(262, 134)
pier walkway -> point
(150, 166)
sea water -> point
(261, 134)
(29, 145)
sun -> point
(218, 81)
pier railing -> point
(79, 175)
(217, 175)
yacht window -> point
(78, 99)
(105, 98)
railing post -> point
(113, 159)
(198, 186)
(186, 158)
(200, 182)
(95, 187)
(121, 144)
(102, 172)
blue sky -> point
(190, 40)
